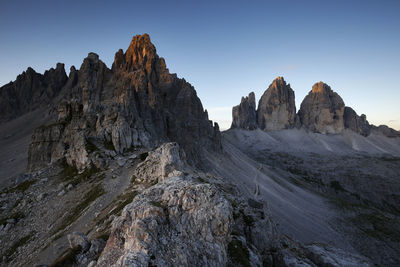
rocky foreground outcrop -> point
(322, 110)
(30, 91)
(136, 103)
(276, 108)
(185, 218)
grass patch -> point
(108, 144)
(157, 204)
(103, 236)
(143, 156)
(21, 242)
(68, 258)
(382, 226)
(123, 200)
(337, 186)
(22, 187)
(390, 159)
(297, 171)
(90, 147)
(248, 220)
(16, 216)
(238, 253)
(85, 175)
(90, 197)
(202, 180)
(70, 172)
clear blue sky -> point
(224, 48)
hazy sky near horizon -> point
(225, 49)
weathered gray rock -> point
(322, 110)
(175, 223)
(276, 108)
(77, 239)
(181, 221)
(244, 115)
(358, 124)
(137, 103)
(165, 161)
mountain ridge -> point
(322, 110)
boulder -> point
(174, 223)
(77, 239)
(166, 161)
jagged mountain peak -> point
(321, 87)
(141, 53)
(137, 103)
(278, 82)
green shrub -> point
(108, 144)
(337, 186)
(68, 258)
(90, 197)
(10, 251)
(90, 147)
(143, 156)
(238, 253)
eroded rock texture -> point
(136, 103)
(184, 220)
(244, 115)
(276, 108)
(322, 110)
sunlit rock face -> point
(135, 103)
(244, 115)
(276, 108)
(322, 110)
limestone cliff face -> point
(30, 91)
(276, 108)
(244, 115)
(136, 103)
(358, 124)
(322, 110)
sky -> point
(225, 49)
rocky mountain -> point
(322, 111)
(30, 91)
(135, 103)
(276, 108)
(126, 169)
(244, 115)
